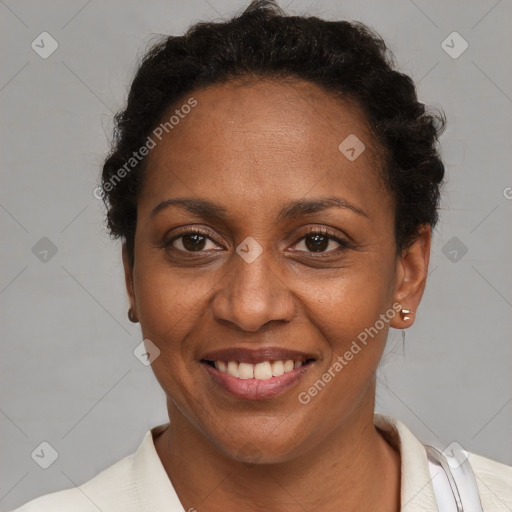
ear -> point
(412, 270)
(128, 278)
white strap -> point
(442, 489)
(458, 472)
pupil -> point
(318, 242)
(193, 242)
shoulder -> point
(494, 481)
(111, 490)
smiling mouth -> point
(256, 373)
(256, 381)
(260, 371)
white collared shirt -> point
(139, 482)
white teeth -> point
(260, 371)
(277, 368)
(246, 371)
(233, 368)
(288, 366)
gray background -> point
(68, 373)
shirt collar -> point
(416, 491)
(155, 492)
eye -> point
(318, 240)
(193, 240)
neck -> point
(355, 462)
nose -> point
(252, 294)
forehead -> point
(293, 114)
(261, 140)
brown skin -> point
(251, 149)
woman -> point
(275, 183)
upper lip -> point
(254, 356)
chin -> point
(275, 444)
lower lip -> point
(256, 389)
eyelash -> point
(314, 231)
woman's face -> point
(253, 274)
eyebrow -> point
(207, 209)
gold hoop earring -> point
(131, 317)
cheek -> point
(355, 338)
(167, 303)
(173, 308)
(168, 313)
(351, 299)
(353, 313)
(355, 331)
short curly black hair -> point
(341, 56)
